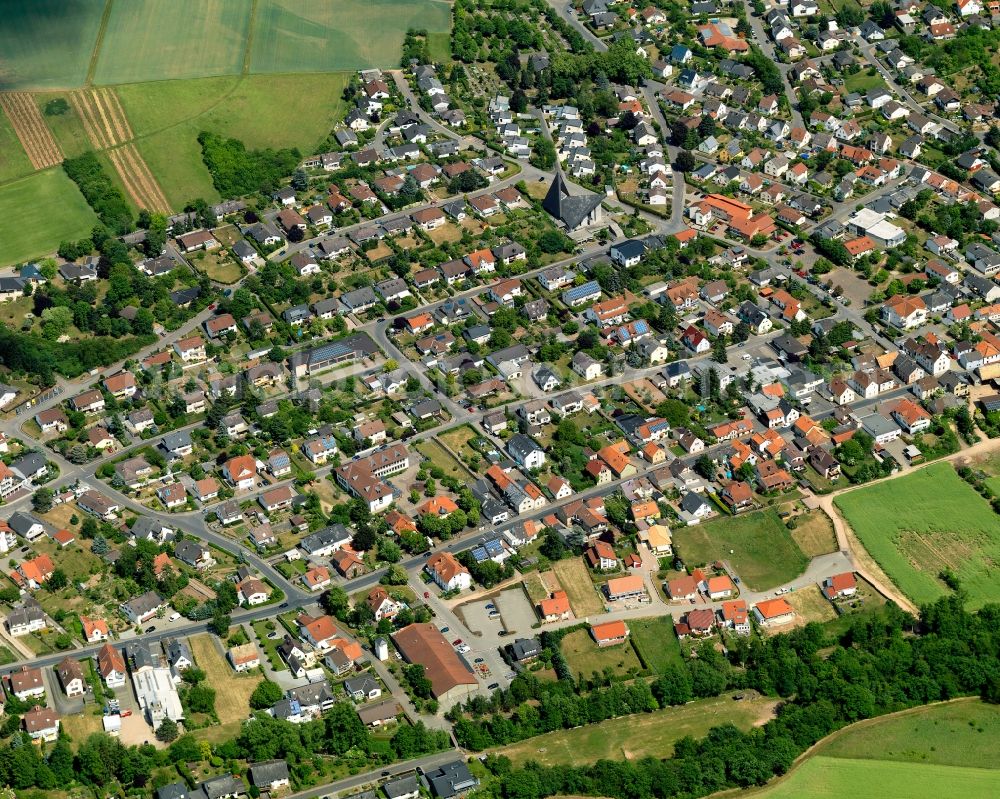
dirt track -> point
(35, 137)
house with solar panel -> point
(582, 294)
(490, 549)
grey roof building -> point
(450, 780)
(573, 210)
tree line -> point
(101, 760)
(100, 192)
(883, 663)
(237, 171)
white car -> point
(463, 649)
(173, 617)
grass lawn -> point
(14, 161)
(270, 645)
(634, 737)
(292, 36)
(220, 266)
(583, 597)
(758, 545)
(67, 128)
(163, 39)
(534, 588)
(6, 656)
(821, 777)
(862, 82)
(439, 46)
(457, 440)
(441, 458)
(918, 525)
(656, 642)
(232, 690)
(79, 726)
(291, 569)
(47, 43)
(814, 534)
(40, 211)
(811, 605)
(13, 313)
(585, 657)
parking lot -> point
(516, 612)
(477, 619)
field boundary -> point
(816, 748)
(108, 129)
(95, 54)
(248, 44)
(36, 139)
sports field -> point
(165, 39)
(918, 525)
(47, 43)
(645, 735)
(758, 545)
(38, 212)
(320, 36)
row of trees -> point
(102, 761)
(883, 663)
(100, 192)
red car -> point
(427, 594)
(457, 642)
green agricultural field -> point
(918, 525)
(832, 778)
(963, 733)
(941, 750)
(67, 128)
(319, 36)
(174, 158)
(40, 211)
(14, 161)
(164, 39)
(254, 109)
(152, 107)
(645, 735)
(758, 546)
(656, 642)
(47, 44)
